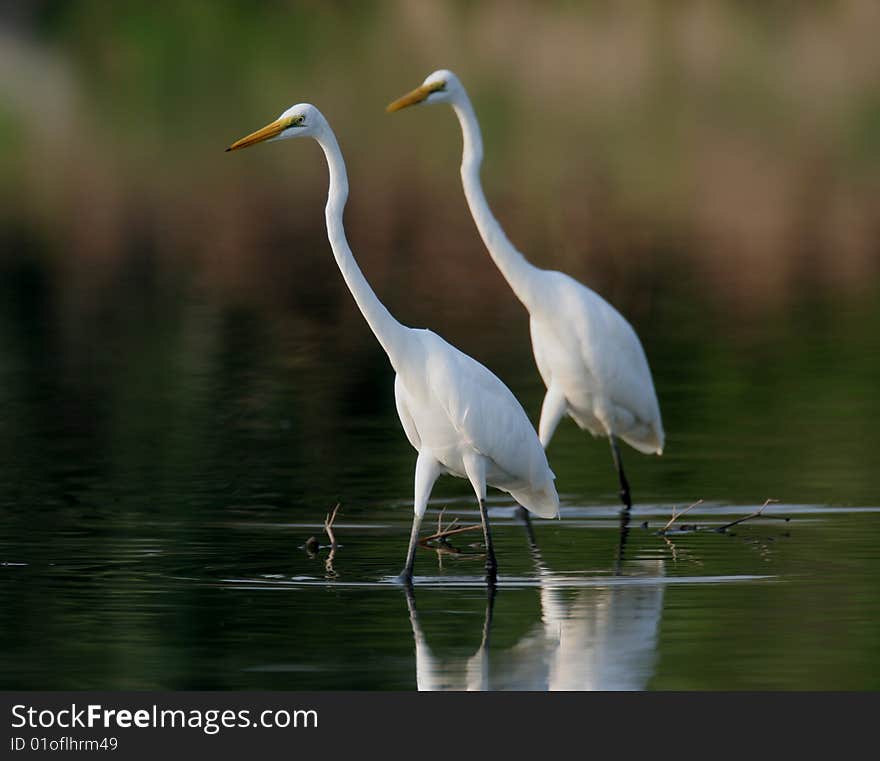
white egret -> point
(588, 355)
(460, 418)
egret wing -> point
(614, 356)
(486, 413)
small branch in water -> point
(313, 547)
(716, 529)
(757, 514)
(328, 525)
(439, 541)
(677, 515)
(441, 535)
(450, 529)
(450, 526)
(441, 530)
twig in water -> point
(328, 525)
(441, 529)
(756, 514)
(677, 515)
(440, 535)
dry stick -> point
(328, 525)
(441, 530)
(755, 514)
(443, 547)
(450, 532)
(451, 525)
(676, 516)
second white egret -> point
(588, 355)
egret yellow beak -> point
(266, 133)
(416, 96)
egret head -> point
(301, 120)
(440, 87)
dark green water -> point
(164, 461)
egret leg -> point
(475, 467)
(552, 410)
(491, 563)
(618, 463)
(407, 574)
(427, 472)
(534, 550)
(524, 516)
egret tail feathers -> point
(649, 441)
(542, 502)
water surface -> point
(163, 469)
(238, 603)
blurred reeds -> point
(176, 344)
(732, 146)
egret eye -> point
(298, 120)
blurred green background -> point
(712, 168)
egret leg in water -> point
(491, 564)
(618, 464)
(523, 515)
(406, 576)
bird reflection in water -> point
(596, 638)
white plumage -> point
(453, 407)
(592, 362)
(460, 417)
(589, 356)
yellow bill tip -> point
(413, 97)
(266, 133)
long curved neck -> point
(519, 273)
(387, 329)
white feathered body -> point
(454, 407)
(585, 349)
